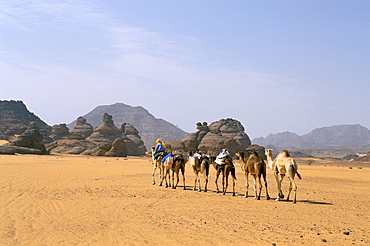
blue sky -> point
(273, 65)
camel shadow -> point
(318, 203)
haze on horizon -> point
(273, 65)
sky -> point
(275, 66)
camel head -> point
(268, 152)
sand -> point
(79, 200)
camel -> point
(283, 164)
(257, 168)
(157, 164)
(178, 164)
(226, 168)
(200, 165)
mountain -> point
(15, 118)
(333, 137)
(149, 127)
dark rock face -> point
(149, 127)
(29, 142)
(15, 117)
(225, 133)
(82, 130)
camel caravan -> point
(171, 163)
(222, 144)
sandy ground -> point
(65, 200)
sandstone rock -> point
(59, 131)
(71, 146)
(106, 132)
(118, 148)
(29, 142)
(225, 133)
(15, 117)
(134, 144)
(31, 138)
(82, 130)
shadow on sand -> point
(320, 203)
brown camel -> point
(177, 166)
(283, 164)
(257, 168)
(200, 165)
(225, 168)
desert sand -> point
(80, 200)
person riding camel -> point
(160, 148)
(221, 156)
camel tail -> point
(298, 175)
(233, 173)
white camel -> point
(157, 164)
(283, 164)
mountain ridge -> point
(356, 137)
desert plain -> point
(84, 200)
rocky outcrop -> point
(82, 129)
(28, 142)
(149, 127)
(105, 140)
(107, 132)
(59, 131)
(15, 118)
(118, 148)
(225, 133)
(134, 144)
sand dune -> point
(79, 200)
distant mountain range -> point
(149, 127)
(351, 137)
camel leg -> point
(246, 185)
(279, 180)
(183, 177)
(294, 187)
(153, 173)
(217, 175)
(169, 178)
(233, 186)
(161, 174)
(255, 186)
(173, 179)
(195, 182)
(264, 178)
(233, 176)
(177, 178)
(205, 182)
(225, 181)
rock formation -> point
(225, 133)
(15, 117)
(59, 131)
(107, 132)
(82, 129)
(105, 140)
(134, 144)
(150, 128)
(28, 142)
